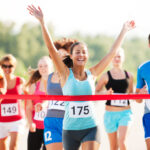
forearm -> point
(47, 38)
(29, 115)
(99, 68)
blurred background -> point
(95, 22)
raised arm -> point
(60, 66)
(99, 68)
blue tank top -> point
(55, 108)
(79, 115)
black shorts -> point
(72, 139)
(36, 140)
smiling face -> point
(8, 67)
(118, 59)
(79, 54)
(44, 67)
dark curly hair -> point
(65, 44)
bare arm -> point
(99, 68)
(29, 105)
(101, 83)
(60, 66)
(130, 90)
(141, 91)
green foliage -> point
(28, 46)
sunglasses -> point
(7, 66)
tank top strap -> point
(127, 75)
(88, 72)
(17, 81)
(71, 73)
(109, 75)
(50, 77)
(37, 86)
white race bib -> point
(79, 110)
(119, 103)
(58, 105)
(40, 115)
(9, 109)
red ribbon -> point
(77, 98)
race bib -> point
(40, 115)
(119, 103)
(9, 109)
(58, 105)
(79, 110)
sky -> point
(86, 16)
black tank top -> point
(118, 86)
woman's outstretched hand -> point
(36, 12)
(129, 25)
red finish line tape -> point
(77, 98)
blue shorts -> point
(146, 125)
(114, 119)
(52, 130)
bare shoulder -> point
(22, 80)
(130, 75)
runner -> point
(11, 113)
(79, 125)
(37, 86)
(118, 114)
(143, 87)
(55, 113)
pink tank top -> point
(10, 110)
(38, 117)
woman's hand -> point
(38, 107)
(143, 90)
(109, 92)
(129, 25)
(32, 127)
(36, 12)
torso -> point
(79, 114)
(119, 84)
(143, 78)
(10, 110)
(38, 117)
(56, 109)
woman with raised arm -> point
(37, 85)
(79, 124)
(56, 109)
(118, 112)
(11, 112)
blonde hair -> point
(35, 74)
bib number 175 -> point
(79, 110)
